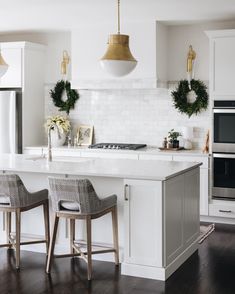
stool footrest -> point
(83, 243)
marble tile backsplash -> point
(131, 116)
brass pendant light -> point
(118, 60)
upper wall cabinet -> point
(13, 76)
(26, 71)
(222, 64)
(90, 43)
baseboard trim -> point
(158, 273)
(173, 266)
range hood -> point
(148, 42)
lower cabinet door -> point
(204, 191)
(143, 222)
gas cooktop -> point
(117, 146)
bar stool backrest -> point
(11, 186)
(80, 191)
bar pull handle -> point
(4, 221)
(126, 193)
(226, 211)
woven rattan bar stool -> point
(76, 199)
(14, 198)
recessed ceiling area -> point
(22, 15)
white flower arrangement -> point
(62, 123)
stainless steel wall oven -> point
(223, 148)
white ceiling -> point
(28, 15)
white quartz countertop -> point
(118, 168)
(147, 150)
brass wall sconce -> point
(64, 63)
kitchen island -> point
(158, 207)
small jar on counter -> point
(164, 143)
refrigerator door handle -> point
(12, 122)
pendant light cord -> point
(118, 16)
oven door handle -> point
(224, 110)
(219, 155)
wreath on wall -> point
(57, 92)
(181, 94)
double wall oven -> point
(223, 148)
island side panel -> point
(181, 218)
(191, 207)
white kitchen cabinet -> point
(222, 64)
(171, 225)
(222, 208)
(142, 196)
(127, 155)
(204, 169)
(14, 58)
(204, 191)
(26, 73)
(155, 157)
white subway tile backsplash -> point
(136, 116)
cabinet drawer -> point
(155, 157)
(35, 151)
(204, 160)
(222, 210)
(109, 155)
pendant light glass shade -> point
(3, 66)
(118, 60)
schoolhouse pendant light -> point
(3, 66)
(118, 60)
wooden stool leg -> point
(89, 260)
(72, 235)
(115, 234)
(47, 225)
(8, 229)
(17, 245)
(52, 244)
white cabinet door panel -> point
(204, 191)
(191, 207)
(155, 157)
(174, 217)
(109, 155)
(13, 76)
(143, 222)
(224, 65)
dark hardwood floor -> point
(211, 271)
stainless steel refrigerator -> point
(10, 121)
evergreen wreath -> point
(180, 97)
(57, 92)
